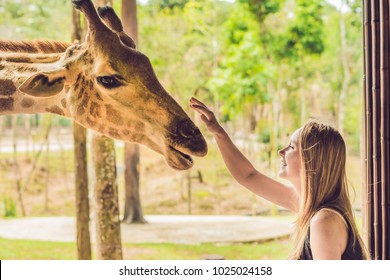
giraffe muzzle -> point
(188, 130)
(188, 139)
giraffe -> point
(104, 84)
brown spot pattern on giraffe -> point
(19, 59)
(113, 116)
(95, 109)
(33, 46)
(79, 81)
(64, 103)
(27, 102)
(90, 122)
(101, 128)
(26, 69)
(114, 132)
(6, 104)
(83, 105)
(98, 96)
(7, 87)
(55, 110)
(90, 85)
(2, 67)
(80, 110)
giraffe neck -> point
(16, 65)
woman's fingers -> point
(206, 115)
(205, 120)
(193, 100)
(203, 111)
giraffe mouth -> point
(178, 160)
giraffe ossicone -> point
(104, 84)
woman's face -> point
(290, 168)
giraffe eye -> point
(109, 82)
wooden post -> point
(376, 138)
(384, 128)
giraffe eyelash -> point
(109, 82)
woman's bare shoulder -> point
(328, 218)
(328, 235)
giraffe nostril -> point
(188, 130)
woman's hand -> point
(241, 168)
(206, 115)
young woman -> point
(314, 162)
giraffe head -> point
(111, 87)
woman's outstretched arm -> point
(241, 168)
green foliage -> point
(263, 8)
(305, 32)
(9, 206)
(182, 44)
(63, 122)
(242, 74)
(169, 4)
(33, 19)
(332, 72)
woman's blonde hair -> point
(324, 181)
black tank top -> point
(353, 251)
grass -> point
(42, 250)
(12, 249)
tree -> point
(305, 38)
(108, 235)
(242, 74)
(262, 8)
(133, 208)
(81, 171)
(169, 4)
(34, 18)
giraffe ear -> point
(44, 84)
(126, 40)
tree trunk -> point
(108, 236)
(27, 130)
(303, 92)
(47, 168)
(82, 201)
(17, 168)
(133, 208)
(129, 18)
(347, 74)
(81, 172)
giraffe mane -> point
(38, 46)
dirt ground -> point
(178, 229)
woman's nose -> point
(281, 152)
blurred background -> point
(264, 66)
